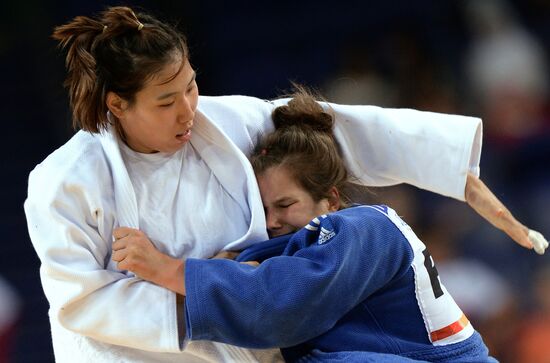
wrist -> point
(173, 275)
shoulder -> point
(243, 119)
(356, 231)
(79, 162)
(237, 105)
(368, 223)
(362, 215)
(351, 223)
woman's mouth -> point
(184, 137)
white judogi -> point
(92, 184)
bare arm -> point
(487, 205)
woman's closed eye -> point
(191, 88)
(285, 205)
(167, 104)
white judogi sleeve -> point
(432, 151)
(381, 146)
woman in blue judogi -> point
(354, 284)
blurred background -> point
(485, 58)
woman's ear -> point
(334, 199)
(115, 104)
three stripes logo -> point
(325, 234)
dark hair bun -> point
(303, 112)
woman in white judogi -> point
(153, 155)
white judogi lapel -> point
(226, 161)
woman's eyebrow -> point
(166, 95)
(170, 94)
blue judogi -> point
(355, 285)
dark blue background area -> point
(240, 47)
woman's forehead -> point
(174, 77)
(170, 71)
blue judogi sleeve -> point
(260, 252)
(327, 268)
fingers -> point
(523, 239)
(251, 263)
(518, 232)
(540, 244)
(230, 255)
(126, 259)
(119, 244)
(126, 264)
(122, 232)
(119, 255)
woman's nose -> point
(186, 112)
(273, 222)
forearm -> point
(231, 303)
(487, 205)
(172, 275)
